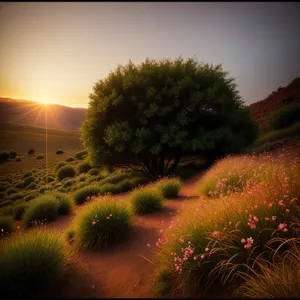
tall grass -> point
(216, 238)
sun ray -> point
(38, 115)
(23, 106)
(30, 111)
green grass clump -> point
(169, 188)
(66, 204)
(59, 151)
(50, 179)
(59, 165)
(6, 210)
(84, 167)
(19, 211)
(81, 155)
(31, 186)
(6, 225)
(80, 196)
(69, 183)
(32, 262)
(65, 171)
(5, 203)
(102, 224)
(82, 178)
(114, 178)
(94, 172)
(27, 181)
(40, 156)
(27, 174)
(11, 190)
(4, 156)
(43, 209)
(16, 196)
(146, 200)
(214, 240)
(31, 151)
(107, 188)
(70, 159)
(12, 154)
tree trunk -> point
(174, 165)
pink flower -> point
(202, 256)
(287, 210)
(18, 227)
(285, 229)
(195, 257)
(255, 219)
(157, 244)
(243, 240)
(93, 222)
(206, 249)
(148, 245)
(273, 218)
(267, 219)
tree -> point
(150, 115)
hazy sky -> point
(55, 52)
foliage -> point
(84, 167)
(102, 224)
(169, 187)
(65, 171)
(81, 195)
(285, 116)
(66, 205)
(94, 172)
(59, 151)
(31, 151)
(81, 155)
(18, 159)
(42, 209)
(195, 108)
(70, 159)
(146, 200)
(40, 156)
(31, 262)
(59, 165)
(12, 154)
(19, 211)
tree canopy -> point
(151, 114)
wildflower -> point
(287, 210)
(195, 257)
(202, 256)
(18, 227)
(206, 249)
(243, 240)
(285, 229)
(148, 245)
(267, 219)
(273, 218)
(282, 226)
(93, 222)
(255, 219)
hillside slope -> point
(33, 113)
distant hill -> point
(283, 96)
(33, 113)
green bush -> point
(94, 172)
(19, 211)
(81, 155)
(59, 165)
(80, 196)
(65, 171)
(65, 204)
(27, 174)
(146, 200)
(11, 190)
(169, 187)
(107, 188)
(5, 203)
(285, 116)
(27, 181)
(31, 151)
(70, 159)
(6, 225)
(31, 262)
(6, 210)
(30, 196)
(31, 186)
(15, 196)
(12, 154)
(114, 178)
(18, 159)
(4, 156)
(59, 151)
(40, 157)
(50, 179)
(84, 167)
(43, 209)
(69, 183)
(102, 224)
(82, 178)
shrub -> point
(81, 155)
(18, 159)
(6, 225)
(11, 190)
(27, 181)
(69, 183)
(82, 178)
(30, 196)
(169, 187)
(15, 196)
(84, 167)
(146, 200)
(40, 157)
(62, 190)
(107, 188)
(5, 203)
(27, 174)
(285, 116)
(19, 211)
(31, 262)
(31, 186)
(31, 151)
(12, 154)
(50, 179)
(114, 178)
(43, 209)
(70, 159)
(65, 204)
(80, 196)
(65, 171)
(4, 156)
(6, 210)
(94, 172)
(102, 224)
(59, 165)
(59, 152)
(124, 185)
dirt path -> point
(122, 272)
